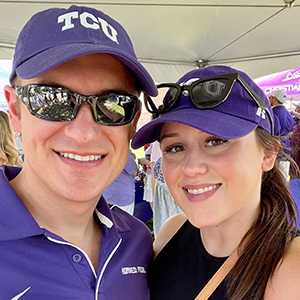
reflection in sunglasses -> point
(58, 104)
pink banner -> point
(288, 81)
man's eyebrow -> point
(114, 91)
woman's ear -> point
(13, 107)
(268, 160)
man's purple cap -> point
(236, 117)
(56, 35)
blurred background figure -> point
(9, 154)
(152, 154)
(121, 191)
(295, 141)
(284, 124)
(296, 113)
(19, 144)
(164, 205)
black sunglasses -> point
(59, 104)
(205, 93)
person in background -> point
(295, 141)
(164, 205)
(59, 238)
(296, 113)
(152, 154)
(219, 151)
(147, 166)
(9, 154)
(19, 145)
(285, 123)
(121, 191)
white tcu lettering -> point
(106, 28)
(83, 20)
(67, 18)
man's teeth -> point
(79, 157)
(201, 191)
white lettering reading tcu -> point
(84, 17)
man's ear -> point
(269, 160)
(14, 115)
(134, 123)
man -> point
(59, 238)
(284, 124)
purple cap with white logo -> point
(56, 35)
(236, 117)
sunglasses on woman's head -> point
(59, 104)
(205, 93)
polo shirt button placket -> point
(77, 257)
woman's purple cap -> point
(238, 116)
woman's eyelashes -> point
(214, 141)
(174, 149)
(210, 141)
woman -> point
(219, 161)
(9, 154)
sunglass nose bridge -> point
(185, 92)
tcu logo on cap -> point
(213, 88)
(88, 20)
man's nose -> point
(83, 127)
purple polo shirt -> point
(37, 264)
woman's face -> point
(213, 180)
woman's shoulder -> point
(167, 231)
(285, 282)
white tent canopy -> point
(172, 37)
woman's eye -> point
(216, 142)
(174, 149)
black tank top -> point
(183, 268)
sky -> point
(5, 69)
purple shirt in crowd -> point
(122, 190)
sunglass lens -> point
(208, 94)
(115, 109)
(51, 104)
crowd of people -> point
(218, 165)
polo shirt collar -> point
(16, 222)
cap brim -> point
(54, 57)
(210, 121)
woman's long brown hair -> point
(269, 238)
